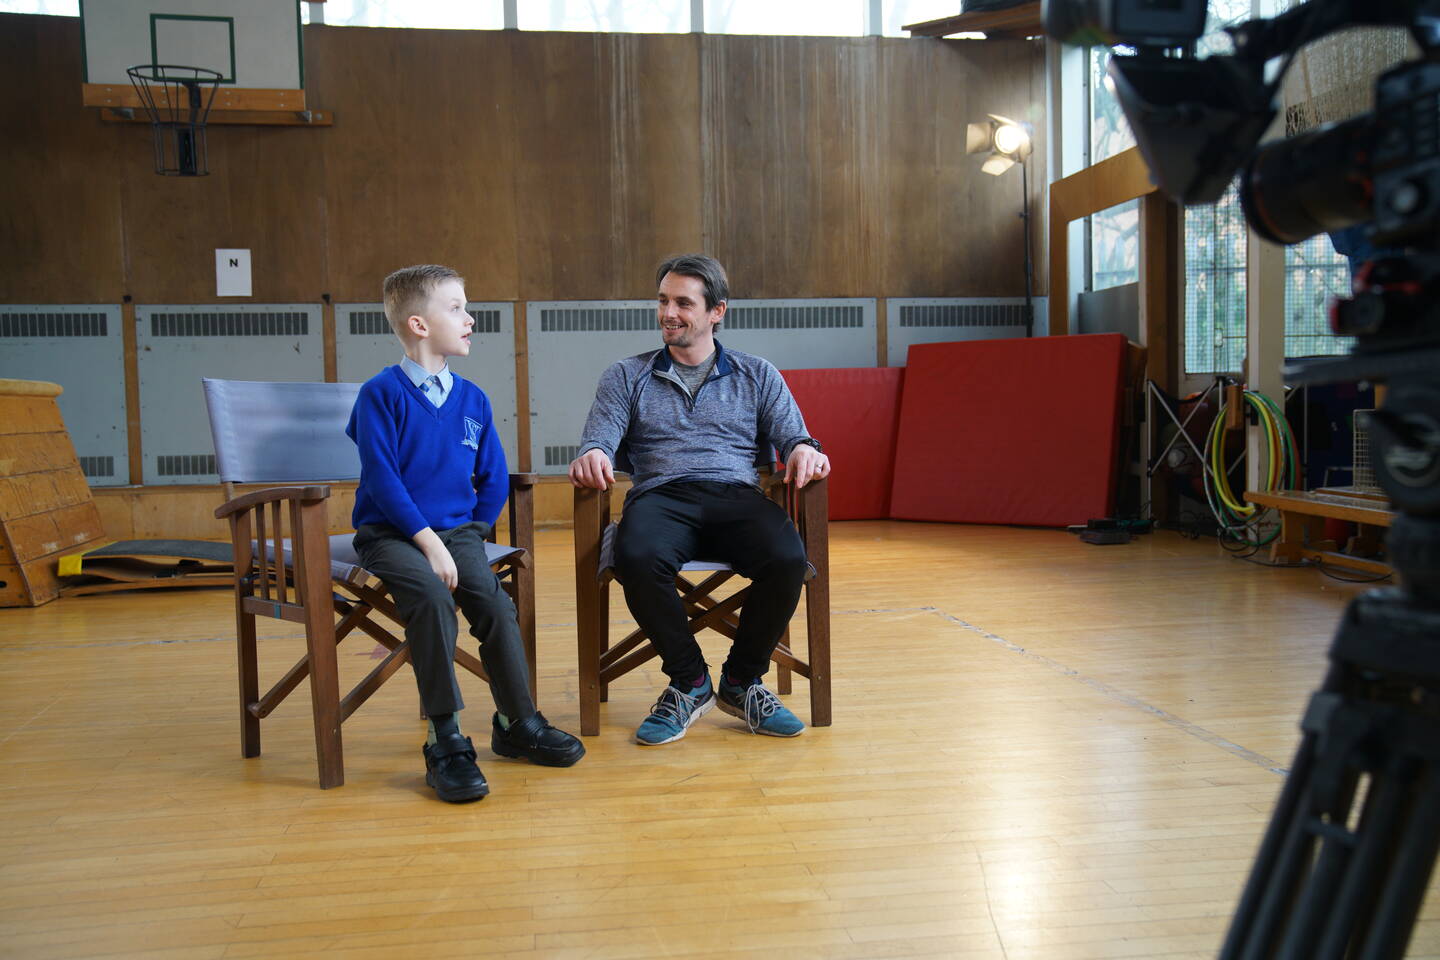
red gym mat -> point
(1010, 431)
(854, 413)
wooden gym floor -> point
(1042, 750)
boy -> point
(432, 481)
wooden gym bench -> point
(1302, 526)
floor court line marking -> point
(1180, 723)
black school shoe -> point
(534, 739)
(450, 768)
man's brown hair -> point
(407, 290)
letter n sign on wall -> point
(232, 273)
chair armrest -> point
(592, 516)
(520, 510)
(309, 494)
(811, 512)
(809, 509)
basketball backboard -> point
(255, 46)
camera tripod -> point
(1344, 865)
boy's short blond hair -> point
(407, 290)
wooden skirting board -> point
(187, 512)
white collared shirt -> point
(435, 386)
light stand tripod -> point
(1029, 265)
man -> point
(689, 418)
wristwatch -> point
(810, 442)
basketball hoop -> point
(178, 101)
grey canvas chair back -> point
(269, 432)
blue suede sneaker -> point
(674, 712)
(759, 708)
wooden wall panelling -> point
(812, 166)
(948, 229)
(418, 165)
(926, 174)
(260, 195)
(788, 129)
(187, 512)
(656, 189)
(609, 164)
(60, 217)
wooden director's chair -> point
(602, 664)
(294, 434)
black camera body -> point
(1383, 168)
(1143, 22)
(1199, 121)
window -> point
(1215, 248)
(815, 18)
(1109, 132)
(606, 16)
(434, 14)
(1314, 273)
(1115, 246)
(1114, 234)
(1215, 286)
(58, 8)
(896, 13)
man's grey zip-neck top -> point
(668, 434)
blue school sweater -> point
(426, 466)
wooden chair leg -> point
(817, 621)
(592, 515)
(249, 682)
(602, 620)
(784, 684)
(525, 613)
(314, 591)
(590, 628)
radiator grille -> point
(97, 466)
(283, 323)
(486, 321)
(561, 456)
(595, 319)
(368, 323)
(186, 465)
(56, 323)
(795, 318)
(964, 315)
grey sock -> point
(442, 725)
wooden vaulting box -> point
(45, 503)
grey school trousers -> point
(431, 627)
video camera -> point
(1198, 122)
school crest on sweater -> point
(472, 434)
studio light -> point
(1005, 143)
